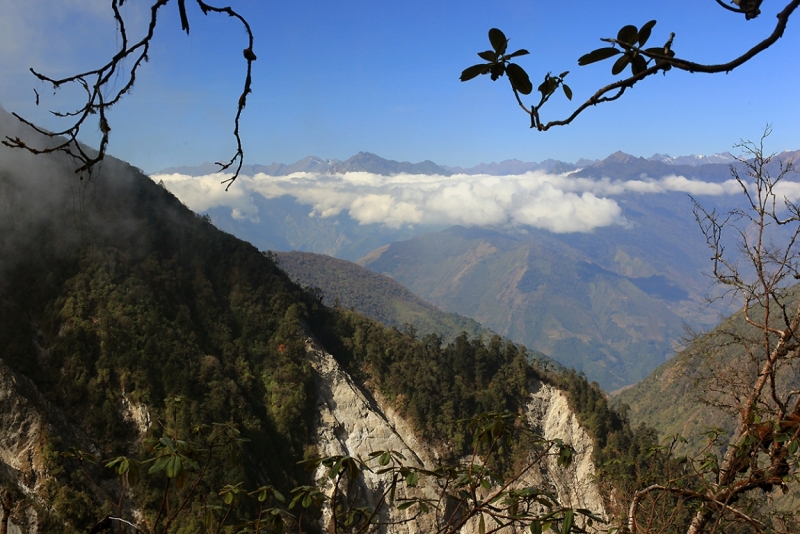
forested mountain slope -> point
(348, 285)
(544, 293)
(124, 318)
(683, 396)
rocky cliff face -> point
(550, 414)
(350, 421)
(355, 422)
(21, 439)
(28, 422)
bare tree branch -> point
(644, 63)
(101, 95)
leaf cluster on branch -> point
(629, 45)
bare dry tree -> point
(102, 93)
(629, 48)
(749, 365)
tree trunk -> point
(699, 522)
(6, 512)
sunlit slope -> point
(679, 396)
(350, 286)
(541, 292)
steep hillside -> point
(130, 325)
(683, 395)
(541, 292)
(379, 297)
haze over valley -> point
(462, 267)
(600, 266)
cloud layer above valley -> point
(559, 203)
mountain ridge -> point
(351, 286)
(137, 318)
(370, 162)
(582, 315)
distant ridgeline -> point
(123, 316)
(347, 285)
(609, 300)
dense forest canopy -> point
(116, 297)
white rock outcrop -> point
(351, 422)
(21, 463)
(355, 422)
(549, 413)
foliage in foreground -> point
(441, 500)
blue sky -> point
(336, 78)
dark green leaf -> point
(792, 446)
(159, 465)
(547, 86)
(475, 70)
(497, 70)
(384, 459)
(519, 79)
(597, 55)
(569, 518)
(620, 64)
(498, 40)
(335, 469)
(543, 87)
(488, 56)
(589, 514)
(563, 74)
(638, 64)
(628, 34)
(404, 505)
(174, 467)
(536, 528)
(644, 33)
(520, 52)
(567, 91)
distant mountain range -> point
(368, 162)
(363, 162)
(610, 302)
(725, 157)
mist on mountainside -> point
(125, 317)
(608, 264)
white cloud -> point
(202, 193)
(559, 203)
(679, 183)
